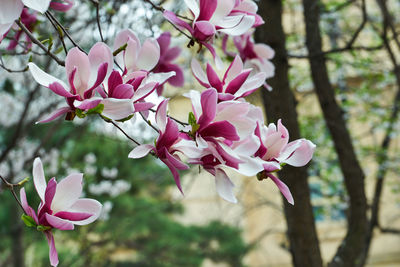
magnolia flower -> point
(274, 147)
(210, 17)
(167, 55)
(236, 82)
(167, 144)
(254, 55)
(85, 73)
(60, 206)
(135, 56)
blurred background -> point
(337, 83)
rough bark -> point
(351, 248)
(280, 103)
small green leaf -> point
(28, 220)
(192, 119)
(43, 228)
(80, 113)
(21, 183)
(96, 110)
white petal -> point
(38, 5)
(117, 109)
(38, 178)
(194, 7)
(223, 9)
(245, 24)
(198, 72)
(149, 55)
(42, 77)
(10, 10)
(224, 186)
(140, 151)
(234, 69)
(67, 192)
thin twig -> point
(65, 32)
(178, 121)
(121, 130)
(58, 32)
(11, 186)
(96, 3)
(38, 43)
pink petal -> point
(178, 80)
(73, 216)
(283, 188)
(88, 206)
(234, 69)
(245, 24)
(237, 82)
(38, 178)
(214, 79)
(164, 40)
(63, 6)
(59, 112)
(161, 115)
(301, 155)
(171, 54)
(114, 80)
(122, 91)
(176, 162)
(221, 129)
(207, 9)
(208, 106)
(174, 172)
(224, 186)
(28, 209)
(79, 60)
(67, 193)
(177, 21)
(142, 106)
(59, 223)
(53, 256)
(99, 54)
(88, 103)
(101, 74)
(140, 151)
(204, 30)
(59, 90)
(251, 84)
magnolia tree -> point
(119, 81)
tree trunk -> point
(351, 248)
(280, 103)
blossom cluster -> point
(115, 81)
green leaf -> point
(80, 113)
(96, 110)
(28, 220)
(192, 119)
(43, 228)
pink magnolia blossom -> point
(236, 83)
(136, 56)
(225, 137)
(256, 56)
(85, 74)
(168, 143)
(167, 56)
(275, 147)
(60, 206)
(211, 17)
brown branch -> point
(120, 129)
(38, 43)
(11, 187)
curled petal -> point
(42, 77)
(28, 209)
(117, 109)
(59, 223)
(59, 112)
(283, 188)
(86, 206)
(38, 178)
